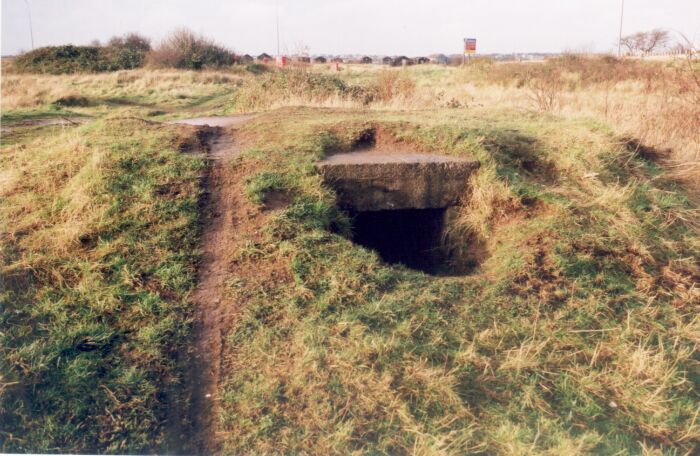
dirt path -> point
(213, 314)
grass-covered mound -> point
(98, 240)
(577, 332)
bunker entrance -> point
(399, 201)
(412, 237)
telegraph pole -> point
(277, 22)
(31, 29)
(619, 40)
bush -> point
(121, 53)
(71, 101)
(129, 51)
(62, 59)
(257, 68)
(391, 84)
(184, 49)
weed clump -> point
(257, 68)
(71, 101)
(392, 84)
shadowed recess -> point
(411, 237)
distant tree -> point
(646, 42)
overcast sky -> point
(412, 27)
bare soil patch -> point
(214, 312)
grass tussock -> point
(99, 230)
(574, 335)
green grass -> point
(26, 115)
(99, 227)
(571, 337)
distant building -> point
(422, 60)
(264, 57)
(440, 59)
(402, 60)
(247, 58)
(302, 59)
(320, 59)
(337, 60)
(366, 59)
(387, 60)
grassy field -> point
(574, 331)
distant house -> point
(302, 59)
(440, 59)
(366, 59)
(320, 59)
(337, 60)
(387, 60)
(402, 60)
(422, 60)
(264, 57)
(247, 58)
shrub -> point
(545, 89)
(121, 53)
(184, 49)
(391, 84)
(71, 101)
(61, 59)
(257, 68)
(129, 51)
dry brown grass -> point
(657, 104)
(23, 91)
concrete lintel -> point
(374, 181)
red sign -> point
(470, 45)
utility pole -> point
(277, 21)
(619, 40)
(31, 29)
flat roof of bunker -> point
(387, 158)
(376, 180)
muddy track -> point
(195, 432)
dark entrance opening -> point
(412, 237)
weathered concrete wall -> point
(375, 181)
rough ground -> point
(213, 312)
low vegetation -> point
(121, 53)
(185, 50)
(574, 331)
(182, 49)
(99, 244)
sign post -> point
(469, 48)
